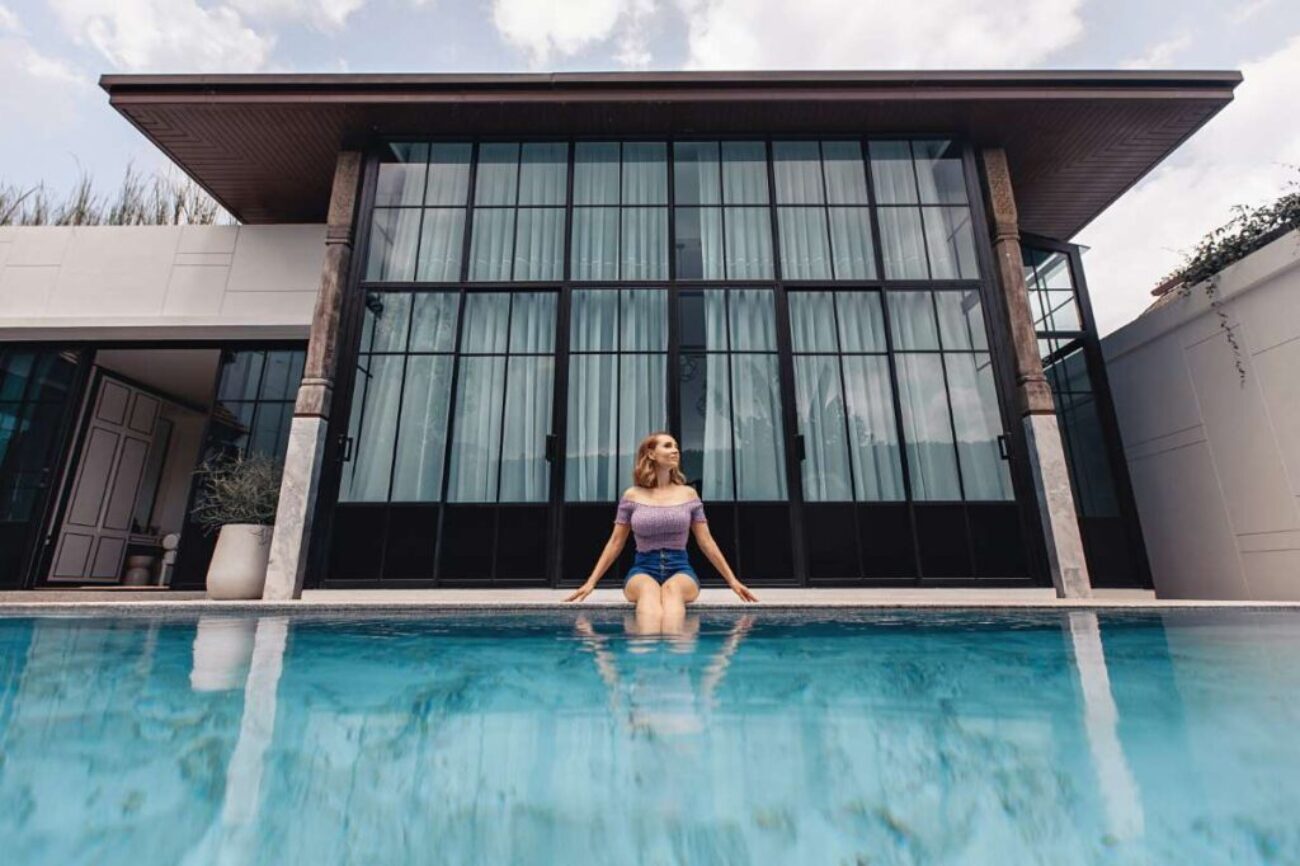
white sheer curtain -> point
(376, 397)
(492, 244)
(927, 428)
(539, 244)
(805, 249)
(613, 400)
(476, 432)
(422, 436)
(902, 243)
(873, 438)
(373, 428)
(525, 475)
(644, 242)
(748, 238)
(821, 421)
(950, 242)
(500, 423)
(760, 448)
(975, 415)
(394, 235)
(595, 243)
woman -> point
(660, 509)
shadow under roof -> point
(265, 145)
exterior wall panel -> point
(1215, 460)
(158, 282)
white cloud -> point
(164, 35)
(1160, 54)
(9, 22)
(1245, 155)
(876, 34)
(37, 90)
(634, 35)
(546, 27)
(323, 14)
(1247, 10)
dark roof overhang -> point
(265, 145)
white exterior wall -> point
(1215, 463)
(159, 282)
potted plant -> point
(238, 497)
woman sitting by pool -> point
(660, 509)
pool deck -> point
(452, 599)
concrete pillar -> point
(307, 439)
(1033, 394)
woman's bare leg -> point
(677, 592)
(643, 591)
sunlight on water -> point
(881, 738)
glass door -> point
(37, 395)
(445, 475)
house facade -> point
(455, 304)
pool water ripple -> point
(830, 737)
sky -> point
(57, 122)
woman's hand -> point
(581, 592)
(743, 591)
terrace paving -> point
(432, 599)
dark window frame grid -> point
(979, 283)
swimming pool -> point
(834, 737)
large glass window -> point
(418, 224)
(731, 438)
(722, 222)
(1052, 302)
(401, 419)
(620, 213)
(947, 396)
(618, 361)
(925, 224)
(825, 224)
(519, 195)
(844, 397)
(255, 397)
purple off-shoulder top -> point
(657, 527)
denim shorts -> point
(661, 565)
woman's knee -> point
(680, 588)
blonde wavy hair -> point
(643, 468)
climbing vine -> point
(1249, 229)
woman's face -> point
(665, 452)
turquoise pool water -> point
(778, 738)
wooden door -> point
(97, 525)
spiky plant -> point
(237, 489)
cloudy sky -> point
(57, 122)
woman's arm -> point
(704, 539)
(613, 548)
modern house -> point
(454, 304)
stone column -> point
(1033, 394)
(307, 439)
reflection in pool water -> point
(837, 737)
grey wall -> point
(159, 282)
(1215, 462)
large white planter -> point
(238, 568)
